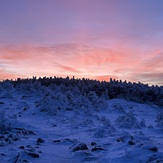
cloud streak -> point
(67, 68)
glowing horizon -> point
(94, 39)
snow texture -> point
(56, 120)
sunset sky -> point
(99, 39)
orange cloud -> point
(104, 77)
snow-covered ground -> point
(48, 127)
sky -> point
(97, 39)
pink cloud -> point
(4, 74)
(81, 61)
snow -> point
(52, 125)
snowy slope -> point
(45, 127)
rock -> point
(2, 154)
(39, 151)
(93, 143)
(16, 139)
(57, 141)
(131, 142)
(34, 155)
(120, 140)
(97, 149)
(21, 147)
(2, 137)
(69, 109)
(31, 132)
(80, 146)
(39, 140)
(154, 149)
(25, 109)
(152, 159)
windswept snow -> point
(40, 124)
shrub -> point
(159, 120)
(128, 121)
(5, 124)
